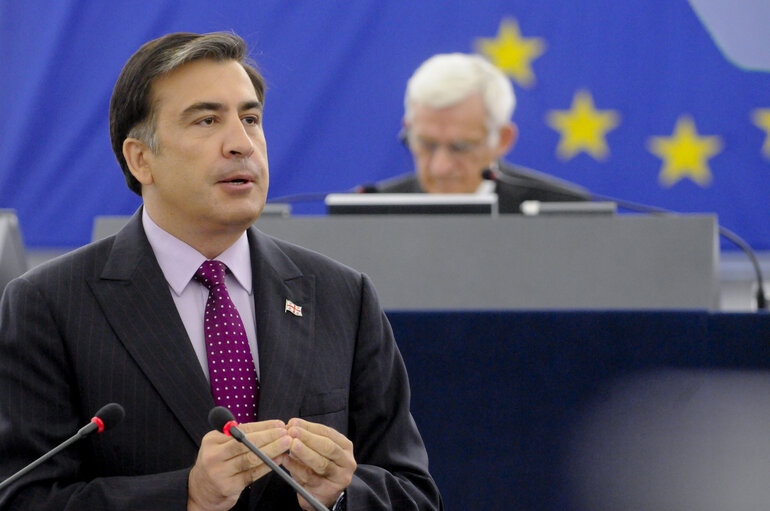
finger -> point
(301, 472)
(321, 430)
(260, 436)
(264, 437)
(323, 462)
(215, 476)
(315, 461)
(325, 489)
(218, 450)
(256, 468)
(326, 442)
(231, 459)
(258, 433)
(272, 449)
(251, 427)
(251, 464)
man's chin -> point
(245, 212)
(447, 189)
(244, 218)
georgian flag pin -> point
(293, 308)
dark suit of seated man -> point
(122, 320)
(457, 125)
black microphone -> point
(108, 416)
(760, 297)
(298, 197)
(222, 420)
(537, 183)
(317, 196)
(367, 188)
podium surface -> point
(511, 262)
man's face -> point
(449, 146)
(209, 175)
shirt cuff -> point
(340, 504)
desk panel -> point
(515, 262)
(503, 398)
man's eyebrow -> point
(212, 106)
(202, 106)
(250, 105)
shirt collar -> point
(179, 261)
(486, 187)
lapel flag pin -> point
(293, 308)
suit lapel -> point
(284, 339)
(137, 303)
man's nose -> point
(442, 161)
(237, 141)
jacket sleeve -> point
(392, 461)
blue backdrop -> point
(665, 102)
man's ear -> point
(138, 156)
(508, 135)
(403, 135)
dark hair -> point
(132, 112)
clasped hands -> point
(318, 457)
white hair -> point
(449, 78)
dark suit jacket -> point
(99, 325)
(529, 185)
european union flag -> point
(663, 102)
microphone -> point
(760, 297)
(297, 197)
(537, 183)
(317, 196)
(221, 419)
(367, 188)
(108, 416)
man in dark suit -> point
(457, 124)
(122, 320)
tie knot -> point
(211, 273)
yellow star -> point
(761, 117)
(582, 127)
(685, 154)
(512, 53)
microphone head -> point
(109, 415)
(488, 175)
(219, 416)
(367, 188)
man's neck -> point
(210, 243)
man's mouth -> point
(236, 181)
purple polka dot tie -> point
(233, 377)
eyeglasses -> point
(457, 149)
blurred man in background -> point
(457, 125)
